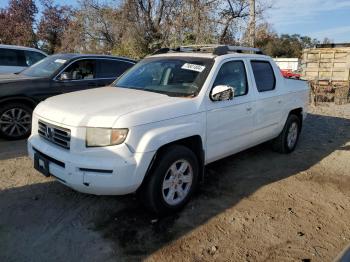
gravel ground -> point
(254, 206)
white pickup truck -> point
(156, 127)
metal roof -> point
(76, 55)
(17, 47)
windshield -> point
(177, 76)
(45, 67)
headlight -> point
(105, 136)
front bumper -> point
(111, 170)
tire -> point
(161, 191)
(288, 139)
(15, 121)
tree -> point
(327, 40)
(283, 45)
(54, 21)
(17, 23)
(228, 16)
(94, 27)
(138, 27)
(152, 20)
(5, 36)
(232, 19)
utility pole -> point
(252, 23)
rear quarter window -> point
(12, 57)
(264, 76)
(33, 57)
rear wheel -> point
(288, 139)
(15, 121)
(172, 181)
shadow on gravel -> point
(12, 149)
(134, 232)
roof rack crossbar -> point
(215, 49)
(245, 49)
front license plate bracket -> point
(41, 164)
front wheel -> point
(288, 139)
(15, 121)
(172, 180)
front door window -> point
(233, 74)
(80, 70)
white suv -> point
(14, 59)
(159, 124)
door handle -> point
(249, 109)
(279, 101)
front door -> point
(230, 123)
(80, 75)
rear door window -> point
(11, 57)
(110, 68)
(264, 76)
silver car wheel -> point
(292, 135)
(177, 182)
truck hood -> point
(102, 107)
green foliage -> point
(130, 49)
(286, 45)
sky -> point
(314, 18)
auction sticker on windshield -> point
(61, 61)
(193, 67)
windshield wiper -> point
(156, 91)
(171, 94)
(193, 94)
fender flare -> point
(154, 139)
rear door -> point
(230, 123)
(269, 100)
(109, 69)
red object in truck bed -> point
(289, 74)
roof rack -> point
(215, 49)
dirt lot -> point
(255, 206)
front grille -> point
(57, 135)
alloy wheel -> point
(177, 182)
(292, 135)
(15, 122)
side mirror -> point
(222, 93)
(64, 76)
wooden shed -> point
(327, 67)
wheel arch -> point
(19, 99)
(194, 143)
(299, 113)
